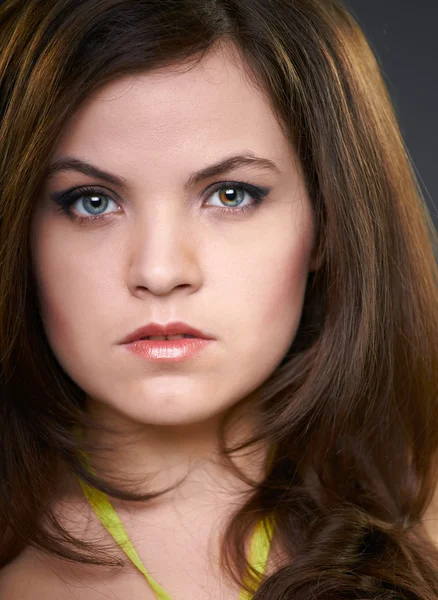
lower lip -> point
(168, 350)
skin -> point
(165, 253)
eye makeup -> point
(66, 199)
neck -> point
(154, 457)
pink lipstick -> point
(176, 342)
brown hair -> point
(352, 408)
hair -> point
(352, 409)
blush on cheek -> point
(56, 322)
(286, 294)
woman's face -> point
(169, 247)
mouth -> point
(172, 348)
(167, 337)
(170, 331)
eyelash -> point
(67, 199)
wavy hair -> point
(352, 409)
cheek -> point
(288, 283)
(51, 276)
(269, 295)
(66, 295)
(280, 282)
(56, 309)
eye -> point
(94, 204)
(231, 195)
(94, 201)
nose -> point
(164, 254)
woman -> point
(233, 172)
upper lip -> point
(174, 328)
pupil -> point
(231, 195)
(95, 203)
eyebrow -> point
(71, 163)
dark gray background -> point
(403, 35)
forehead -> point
(209, 109)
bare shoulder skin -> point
(33, 576)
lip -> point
(173, 328)
(168, 351)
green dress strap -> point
(107, 515)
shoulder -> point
(28, 577)
(34, 575)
